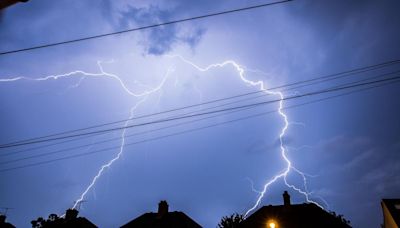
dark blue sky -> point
(349, 145)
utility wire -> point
(117, 138)
(201, 114)
(143, 27)
(148, 131)
(200, 128)
(162, 128)
(168, 119)
(299, 83)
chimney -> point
(286, 198)
(71, 214)
(162, 208)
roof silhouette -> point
(162, 219)
(71, 219)
(293, 216)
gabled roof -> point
(393, 205)
(292, 216)
(174, 219)
(80, 222)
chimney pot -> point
(286, 198)
(162, 208)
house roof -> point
(80, 222)
(393, 205)
(292, 216)
(3, 223)
(6, 225)
(174, 219)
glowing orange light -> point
(271, 223)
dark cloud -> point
(160, 40)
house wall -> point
(388, 221)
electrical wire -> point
(142, 28)
(387, 82)
(298, 84)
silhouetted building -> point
(4, 224)
(391, 213)
(162, 219)
(6, 3)
(71, 219)
(293, 215)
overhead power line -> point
(144, 132)
(372, 86)
(174, 125)
(143, 27)
(201, 114)
(116, 138)
(153, 130)
(289, 86)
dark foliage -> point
(52, 221)
(231, 221)
(340, 218)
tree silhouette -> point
(340, 218)
(231, 221)
(52, 221)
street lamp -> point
(272, 224)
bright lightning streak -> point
(261, 86)
(102, 73)
(109, 164)
(241, 72)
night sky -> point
(348, 147)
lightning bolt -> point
(109, 163)
(143, 95)
(252, 185)
(261, 86)
(82, 75)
